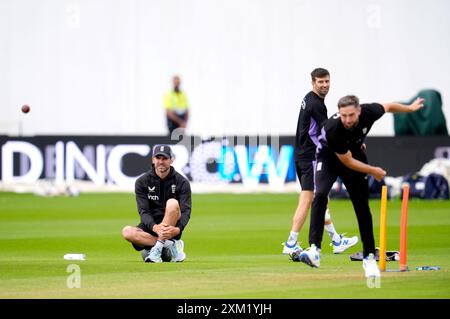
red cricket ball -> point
(25, 108)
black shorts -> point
(329, 168)
(305, 174)
(171, 125)
(151, 232)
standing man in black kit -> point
(342, 153)
(313, 113)
(163, 199)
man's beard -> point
(162, 169)
(323, 94)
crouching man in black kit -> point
(163, 199)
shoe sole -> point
(180, 260)
(291, 251)
(295, 256)
(148, 260)
(305, 259)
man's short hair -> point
(319, 73)
(348, 100)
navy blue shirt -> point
(152, 193)
(313, 113)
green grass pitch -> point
(233, 246)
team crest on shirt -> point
(174, 187)
(364, 130)
(303, 105)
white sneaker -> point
(288, 249)
(176, 250)
(310, 256)
(370, 266)
(344, 244)
(155, 255)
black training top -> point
(152, 193)
(313, 113)
(336, 138)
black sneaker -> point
(145, 253)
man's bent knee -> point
(172, 202)
(128, 232)
(172, 206)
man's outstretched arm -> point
(403, 108)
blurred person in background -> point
(176, 106)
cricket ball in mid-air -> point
(25, 108)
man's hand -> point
(165, 231)
(403, 108)
(168, 232)
(378, 173)
(417, 104)
(157, 228)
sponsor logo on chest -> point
(150, 194)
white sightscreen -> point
(102, 66)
